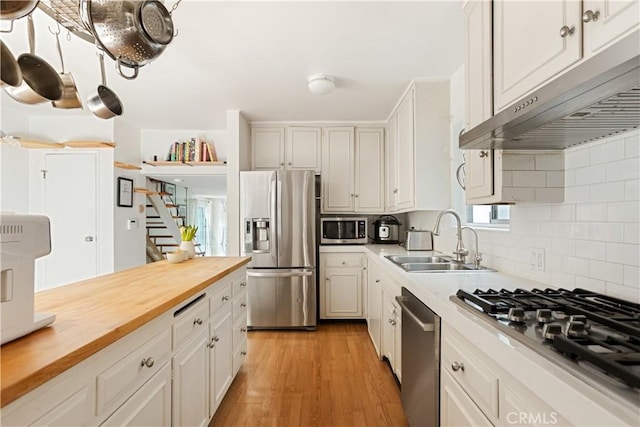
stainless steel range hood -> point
(597, 99)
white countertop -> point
(578, 402)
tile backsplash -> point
(591, 240)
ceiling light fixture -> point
(321, 84)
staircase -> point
(163, 225)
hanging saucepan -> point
(133, 32)
(40, 82)
(105, 103)
(11, 74)
(70, 97)
(12, 10)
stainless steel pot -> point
(11, 74)
(105, 103)
(12, 10)
(70, 97)
(40, 82)
(132, 32)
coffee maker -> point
(386, 229)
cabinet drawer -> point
(239, 355)
(190, 322)
(239, 285)
(220, 298)
(239, 307)
(120, 380)
(344, 261)
(474, 376)
(239, 334)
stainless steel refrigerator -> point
(278, 231)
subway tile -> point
(549, 161)
(632, 145)
(577, 194)
(577, 158)
(624, 292)
(607, 192)
(533, 212)
(623, 169)
(591, 174)
(529, 178)
(563, 246)
(551, 228)
(632, 233)
(513, 194)
(577, 230)
(591, 212)
(518, 162)
(507, 179)
(632, 190)
(623, 253)
(591, 250)
(576, 265)
(555, 179)
(564, 212)
(607, 271)
(623, 212)
(631, 276)
(569, 178)
(549, 195)
(608, 152)
(562, 279)
(606, 232)
(591, 284)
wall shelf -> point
(26, 143)
(127, 166)
(89, 144)
(185, 163)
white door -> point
(606, 20)
(71, 205)
(405, 162)
(478, 174)
(267, 148)
(190, 383)
(220, 359)
(303, 148)
(456, 408)
(369, 170)
(343, 298)
(337, 169)
(390, 169)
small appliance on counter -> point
(23, 238)
(418, 240)
(386, 229)
(343, 231)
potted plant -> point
(188, 233)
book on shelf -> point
(194, 150)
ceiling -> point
(256, 57)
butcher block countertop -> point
(94, 313)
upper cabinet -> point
(604, 21)
(417, 161)
(353, 170)
(291, 148)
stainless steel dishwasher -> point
(420, 361)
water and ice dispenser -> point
(257, 235)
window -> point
(489, 215)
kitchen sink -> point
(409, 259)
(433, 264)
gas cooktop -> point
(596, 337)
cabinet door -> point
(369, 168)
(220, 359)
(390, 169)
(456, 408)
(397, 341)
(190, 383)
(374, 306)
(478, 174)
(337, 169)
(389, 316)
(267, 148)
(303, 148)
(405, 159)
(609, 19)
(478, 78)
(72, 411)
(528, 47)
(343, 293)
(149, 406)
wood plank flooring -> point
(330, 377)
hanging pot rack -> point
(65, 12)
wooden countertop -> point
(94, 313)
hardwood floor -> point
(330, 377)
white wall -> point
(128, 139)
(158, 142)
(14, 182)
(70, 128)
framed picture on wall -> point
(125, 192)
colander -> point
(132, 32)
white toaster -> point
(418, 240)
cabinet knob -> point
(244, 353)
(566, 31)
(590, 15)
(216, 339)
(282, 164)
(243, 305)
(197, 321)
(225, 298)
(377, 280)
(364, 268)
(210, 344)
(343, 263)
(243, 329)
(290, 163)
(456, 366)
(392, 321)
(395, 191)
(243, 284)
(484, 154)
(148, 362)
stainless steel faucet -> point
(460, 251)
(478, 258)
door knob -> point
(457, 366)
(88, 239)
(590, 15)
(566, 31)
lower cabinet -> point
(392, 326)
(220, 359)
(342, 282)
(456, 408)
(374, 306)
(149, 406)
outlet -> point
(537, 259)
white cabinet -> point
(190, 382)
(369, 170)
(374, 305)
(456, 408)
(149, 406)
(392, 332)
(605, 21)
(220, 358)
(291, 148)
(69, 411)
(239, 332)
(418, 147)
(521, 60)
(479, 176)
(342, 278)
(353, 170)
(478, 50)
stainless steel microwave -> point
(343, 231)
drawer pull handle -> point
(243, 305)
(198, 321)
(243, 329)
(457, 367)
(225, 298)
(148, 362)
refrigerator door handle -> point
(275, 250)
(279, 274)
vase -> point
(189, 248)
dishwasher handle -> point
(427, 327)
